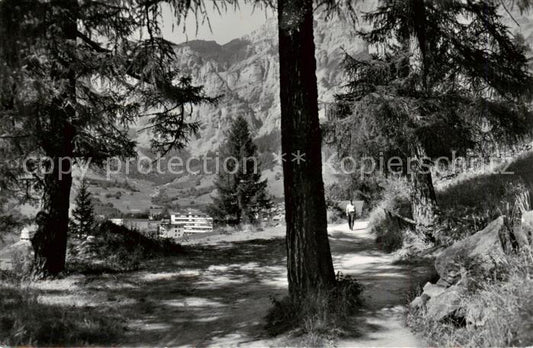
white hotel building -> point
(182, 224)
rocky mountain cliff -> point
(245, 72)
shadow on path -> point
(387, 288)
(211, 295)
(219, 294)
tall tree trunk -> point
(50, 240)
(423, 199)
(308, 253)
(424, 203)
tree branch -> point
(14, 136)
(93, 44)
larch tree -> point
(443, 70)
(309, 262)
(74, 74)
(242, 195)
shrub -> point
(117, 248)
(320, 316)
(386, 227)
(22, 262)
(415, 248)
(335, 212)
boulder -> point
(483, 248)
(445, 305)
(417, 303)
(432, 290)
(443, 283)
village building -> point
(167, 230)
(192, 222)
(178, 226)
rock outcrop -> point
(447, 304)
(468, 260)
(483, 248)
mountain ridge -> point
(245, 72)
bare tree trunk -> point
(423, 199)
(309, 260)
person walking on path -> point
(350, 212)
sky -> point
(225, 27)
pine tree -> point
(83, 220)
(242, 195)
(444, 68)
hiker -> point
(350, 212)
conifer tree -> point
(444, 69)
(242, 195)
(73, 76)
(83, 219)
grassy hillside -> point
(467, 202)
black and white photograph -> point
(266, 173)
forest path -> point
(219, 294)
(387, 288)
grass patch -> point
(466, 204)
(470, 205)
(318, 318)
(26, 321)
(472, 201)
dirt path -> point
(219, 294)
(386, 288)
